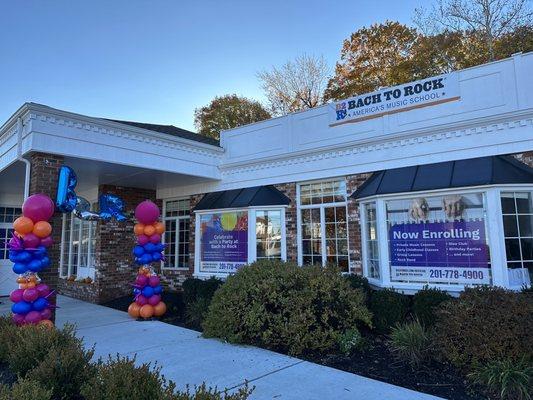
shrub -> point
(425, 303)
(485, 324)
(410, 342)
(351, 341)
(389, 308)
(358, 282)
(204, 393)
(64, 370)
(507, 379)
(25, 389)
(197, 295)
(196, 311)
(6, 332)
(285, 307)
(28, 346)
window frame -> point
(252, 243)
(90, 268)
(494, 229)
(177, 219)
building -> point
(424, 183)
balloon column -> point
(147, 288)
(28, 252)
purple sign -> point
(439, 251)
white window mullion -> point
(383, 243)
(177, 244)
(323, 246)
(496, 239)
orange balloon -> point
(149, 230)
(32, 278)
(21, 279)
(138, 229)
(23, 286)
(46, 323)
(147, 311)
(30, 285)
(42, 229)
(134, 310)
(159, 227)
(23, 225)
(159, 309)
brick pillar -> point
(44, 176)
(115, 269)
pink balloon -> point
(155, 238)
(43, 290)
(154, 280)
(33, 317)
(18, 319)
(141, 300)
(30, 295)
(141, 281)
(38, 207)
(147, 212)
(153, 300)
(16, 295)
(31, 241)
(46, 313)
(47, 241)
(142, 239)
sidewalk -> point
(187, 358)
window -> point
(268, 234)
(517, 210)
(371, 240)
(77, 247)
(177, 225)
(323, 223)
(7, 216)
(438, 239)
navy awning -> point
(246, 197)
(481, 171)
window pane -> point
(268, 234)
(523, 203)
(512, 249)
(527, 249)
(508, 204)
(510, 227)
(526, 225)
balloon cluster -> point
(28, 252)
(147, 287)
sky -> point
(156, 61)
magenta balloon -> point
(31, 241)
(16, 295)
(43, 290)
(47, 241)
(141, 280)
(141, 300)
(153, 300)
(142, 239)
(38, 207)
(46, 313)
(33, 317)
(154, 280)
(147, 212)
(30, 295)
(155, 238)
(18, 319)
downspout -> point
(20, 128)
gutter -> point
(20, 128)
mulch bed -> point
(375, 362)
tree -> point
(226, 112)
(296, 85)
(490, 19)
(371, 58)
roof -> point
(450, 174)
(246, 197)
(170, 130)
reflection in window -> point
(517, 210)
(371, 232)
(268, 234)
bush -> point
(506, 379)
(359, 282)
(285, 307)
(389, 308)
(411, 342)
(64, 370)
(6, 332)
(204, 393)
(425, 303)
(485, 324)
(197, 295)
(25, 389)
(351, 341)
(196, 311)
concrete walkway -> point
(187, 358)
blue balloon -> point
(45, 262)
(111, 206)
(19, 268)
(66, 198)
(40, 304)
(148, 291)
(138, 250)
(158, 289)
(136, 292)
(35, 265)
(159, 247)
(157, 256)
(22, 307)
(149, 247)
(24, 256)
(145, 259)
(14, 256)
(39, 252)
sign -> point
(223, 241)
(455, 252)
(423, 93)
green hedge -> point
(285, 307)
(197, 295)
(389, 308)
